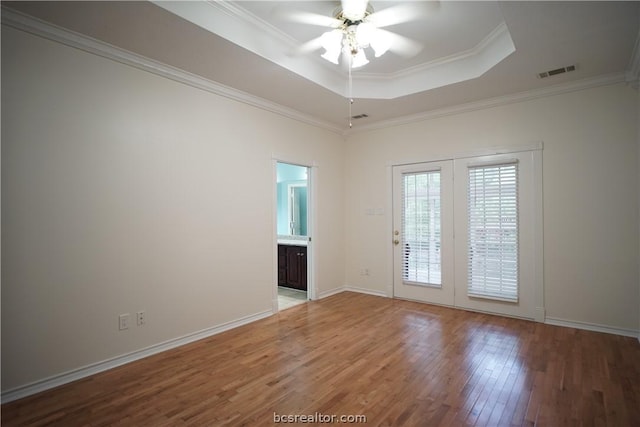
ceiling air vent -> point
(557, 71)
(359, 116)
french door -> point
(423, 232)
(466, 234)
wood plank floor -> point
(398, 363)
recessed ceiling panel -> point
(274, 30)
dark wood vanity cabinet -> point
(292, 267)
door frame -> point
(312, 174)
(538, 250)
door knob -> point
(396, 242)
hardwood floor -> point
(398, 363)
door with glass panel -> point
(473, 242)
(497, 237)
(423, 232)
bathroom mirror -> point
(297, 201)
(292, 190)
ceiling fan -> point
(355, 26)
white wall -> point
(590, 168)
(125, 191)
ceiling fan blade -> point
(402, 45)
(302, 17)
(308, 47)
(404, 12)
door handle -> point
(396, 242)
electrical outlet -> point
(123, 321)
(140, 317)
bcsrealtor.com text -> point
(318, 418)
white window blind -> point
(421, 228)
(493, 232)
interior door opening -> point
(293, 235)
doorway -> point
(293, 235)
(467, 233)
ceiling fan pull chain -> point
(350, 92)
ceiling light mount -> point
(352, 18)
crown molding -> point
(499, 34)
(90, 45)
(500, 31)
(87, 44)
(605, 80)
(463, 66)
(245, 16)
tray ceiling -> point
(472, 51)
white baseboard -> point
(592, 327)
(334, 291)
(351, 289)
(366, 291)
(539, 317)
(94, 368)
(76, 374)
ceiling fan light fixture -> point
(331, 41)
(359, 59)
(380, 42)
(354, 35)
(332, 56)
(365, 33)
(356, 27)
